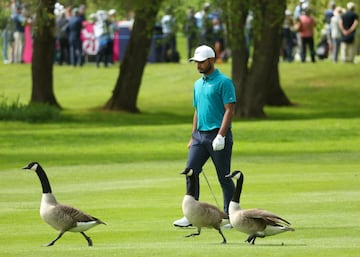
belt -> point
(209, 131)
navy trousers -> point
(201, 150)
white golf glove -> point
(218, 143)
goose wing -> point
(268, 217)
(76, 215)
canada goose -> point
(200, 214)
(254, 222)
(61, 217)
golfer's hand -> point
(218, 143)
(189, 144)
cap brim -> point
(194, 59)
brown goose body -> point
(201, 214)
(59, 216)
(254, 222)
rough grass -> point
(300, 162)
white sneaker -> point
(183, 223)
(226, 224)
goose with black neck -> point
(59, 216)
(254, 222)
(201, 214)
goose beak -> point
(187, 172)
(184, 172)
(27, 167)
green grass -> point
(300, 162)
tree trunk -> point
(276, 95)
(235, 22)
(43, 54)
(127, 86)
(266, 56)
(259, 84)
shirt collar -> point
(211, 76)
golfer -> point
(214, 101)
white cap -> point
(92, 16)
(202, 53)
(305, 5)
(112, 12)
(350, 5)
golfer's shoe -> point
(182, 223)
(227, 226)
(225, 223)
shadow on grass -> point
(265, 245)
(296, 113)
(329, 108)
(118, 118)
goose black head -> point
(235, 174)
(31, 166)
(188, 172)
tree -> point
(127, 86)
(257, 83)
(43, 54)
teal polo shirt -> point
(211, 93)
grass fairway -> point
(300, 162)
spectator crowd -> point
(338, 36)
(96, 38)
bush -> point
(35, 112)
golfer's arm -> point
(226, 122)
(194, 127)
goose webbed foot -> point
(88, 239)
(193, 235)
(53, 241)
(50, 244)
(224, 239)
(251, 239)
